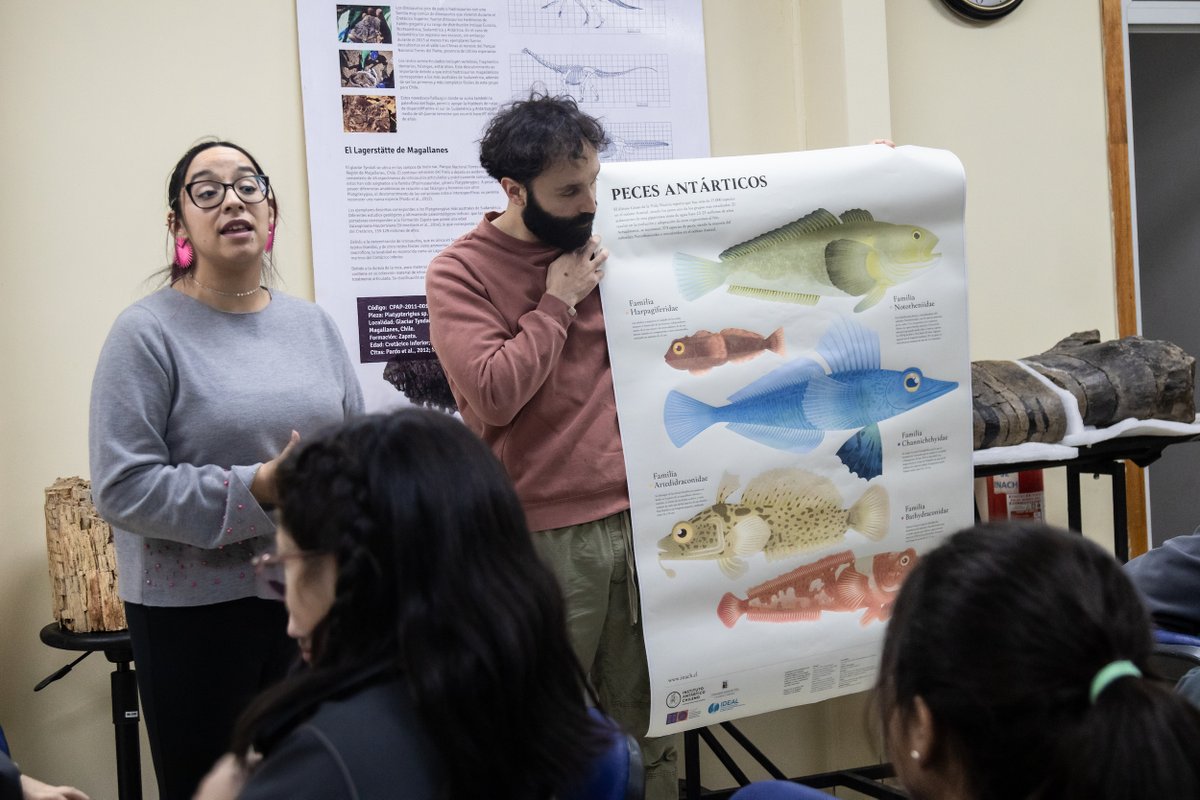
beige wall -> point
(1021, 102)
(100, 98)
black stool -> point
(116, 648)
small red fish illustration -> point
(704, 350)
(838, 582)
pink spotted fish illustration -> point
(839, 582)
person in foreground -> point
(516, 321)
(200, 388)
(437, 642)
(1015, 666)
(1168, 579)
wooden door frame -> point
(1113, 41)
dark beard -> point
(566, 233)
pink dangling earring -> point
(183, 252)
(270, 238)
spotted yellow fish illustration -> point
(781, 512)
(816, 256)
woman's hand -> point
(227, 777)
(33, 789)
(263, 485)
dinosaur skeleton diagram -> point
(639, 85)
(637, 141)
(788, 344)
(391, 188)
(595, 13)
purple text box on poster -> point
(391, 327)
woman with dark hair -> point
(1015, 666)
(200, 389)
(437, 643)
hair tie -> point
(1111, 672)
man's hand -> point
(572, 276)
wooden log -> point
(1116, 380)
(1010, 406)
(82, 560)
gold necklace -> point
(192, 278)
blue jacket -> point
(1168, 578)
(10, 779)
(362, 745)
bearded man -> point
(516, 322)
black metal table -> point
(865, 780)
(116, 648)
(1102, 458)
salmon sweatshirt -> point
(531, 379)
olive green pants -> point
(594, 565)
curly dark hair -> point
(527, 136)
(437, 576)
(1000, 632)
(422, 381)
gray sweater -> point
(187, 403)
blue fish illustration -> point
(792, 407)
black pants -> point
(198, 667)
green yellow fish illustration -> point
(781, 512)
(816, 256)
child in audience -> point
(436, 638)
(1015, 666)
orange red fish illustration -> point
(838, 582)
(704, 350)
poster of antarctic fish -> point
(788, 337)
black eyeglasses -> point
(210, 194)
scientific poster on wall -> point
(788, 337)
(395, 99)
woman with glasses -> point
(200, 390)
(439, 660)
